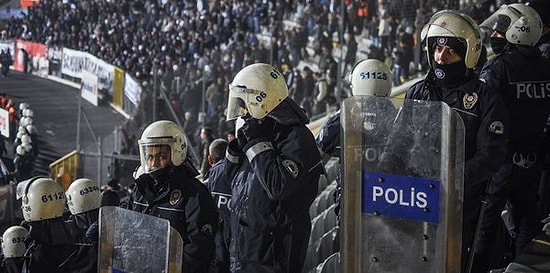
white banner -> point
(75, 62)
(132, 89)
(4, 123)
(89, 87)
(72, 62)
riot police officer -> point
(219, 186)
(362, 84)
(274, 167)
(83, 200)
(521, 76)
(453, 42)
(167, 188)
(51, 245)
(13, 248)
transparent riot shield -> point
(130, 241)
(402, 186)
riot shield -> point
(130, 241)
(402, 186)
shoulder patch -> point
(291, 167)
(469, 101)
(207, 229)
(175, 197)
(496, 127)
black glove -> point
(254, 130)
(234, 148)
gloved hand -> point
(234, 148)
(254, 130)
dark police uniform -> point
(485, 120)
(220, 187)
(522, 78)
(85, 255)
(51, 247)
(187, 204)
(272, 190)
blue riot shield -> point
(402, 186)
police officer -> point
(219, 186)
(362, 84)
(275, 166)
(13, 248)
(521, 76)
(167, 188)
(51, 246)
(543, 9)
(83, 200)
(453, 42)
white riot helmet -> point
(26, 121)
(258, 88)
(28, 113)
(163, 132)
(13, 242)
(20, 150)
(452, 24)
(83, 195)
(519, 23)
(371, 77)
(31, 129)
(41, 199)
(21, 133)
(26, 139)
(23, 106)
(26, 146)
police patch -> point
(496, 127)
(207, 228)
(175, 197)
(291, 167)
(440, 74)
(469, 100)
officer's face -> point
(444, 54)
(157, 157)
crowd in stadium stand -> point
(183, 48)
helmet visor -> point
(155, 153)
(21, 187)
(499, 21)
(236, 106)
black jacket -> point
(271, 194)
(220, 187)
(486, 126)
(51, 247)
(187, 204)
(522, 77)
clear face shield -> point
(155, 153)
(236, 106)
(499, 21)
(21, 187)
